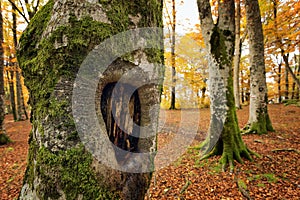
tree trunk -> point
(18, 81)
(10, 76)
(283, 54)
(259, 121)
(68, 158)
(173, 58)
(224, 135)
(289, 70)
(286, 75)
(237, 57)
(23, 104)
(242, 87)
(2, 112)
(279, 83)
(294, 83)
(19, 93)
(297, 91)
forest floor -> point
(275, 175)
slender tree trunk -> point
(203, 90)
(283, 54)
(242, 87)
(259, 121)
(65, 157)
(2, 113)
(4, 139)
(173, 57)
(286, 75)
(20, 99)
(289, 70)
(279, 83)
(297, 91)
(294, 83)
(24, 105)
(237, 57)
(19, 93)
(10, 76)
(18, 81)
(224, 135)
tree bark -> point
(237, 57)
(289, 70)
(20, 99)
(173, 58)
(242, 87)
(279, 83)
(224, 135)
(259, 121)
(286, 75)
(52, 49)
(10, 77)
(18, 81)
(2, 112)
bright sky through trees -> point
(186, 14)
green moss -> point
(241, 183)
(40, 59)
(271, 178)
(149, 14)
(4, 139)
(70, 169)
(230, 145)
(29, 173)
(218, 46)
(44, 65)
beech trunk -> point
(52, 48)
(224, 136)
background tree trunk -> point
(279, 83)
(10, 77)
(20, 99)
(54, 45)
(2, 112)
(224, 135)
(173, 57)
(237, 56)
(286, 75)
(18, 81)
(259, 121)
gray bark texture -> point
(259, 121)
(173, 57)
(52, 49)
(237, 57)
(224, 135)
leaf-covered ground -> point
(275, 175)
(13, 158)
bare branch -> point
(15, 7)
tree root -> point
(241, 187)
(188, 182)
(254, 153)
(289, 150)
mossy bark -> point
(52, 48)
(224, 136)
(259, 121)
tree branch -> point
(36, 7)
(15, 7)
(289, 150)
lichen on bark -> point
(259, 120)
(224, 137)
(52, 48)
